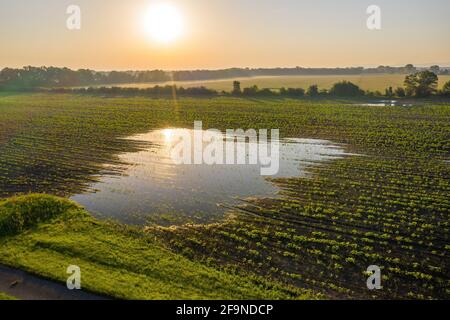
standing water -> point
(154, 189)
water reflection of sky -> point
(155, 189)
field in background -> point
(366, 82)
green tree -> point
(313, 91)
(292, 92)
(250, 91)
(446, 89)
(435, 69)
(389, 92)
(345, 89)
(409, 68)
(421, 84)
(400, 92)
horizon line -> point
(424, 65)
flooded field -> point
(387, 103)
(154, 188)
(389, 207)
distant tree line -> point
(156, 91)
(32, 77)
(420, 84)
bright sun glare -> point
(164, 22)
(168, 134)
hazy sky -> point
(225, 33)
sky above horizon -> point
(225, 33)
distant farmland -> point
(367, 82)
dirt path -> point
(25, 286)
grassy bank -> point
(44, 235)
(4, 296)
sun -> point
(164, 22)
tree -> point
(345, 89)
(313, 91)
(236, 88)
(400, 92)
(435, 69)
(446, 89)
(251, 91)
(292, 92)
(389, 92)
(409, 68)
(421, 84)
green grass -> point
(20, 214)
(117, 261)
(367, 82)
(388, 207)
(4, 296)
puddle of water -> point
(387, 103)
(153, 189)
